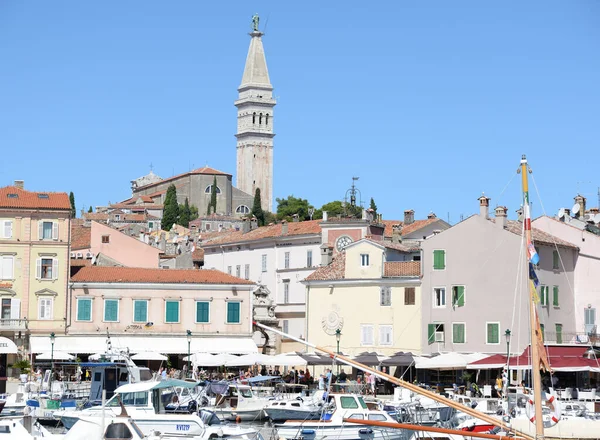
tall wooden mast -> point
(533, 258)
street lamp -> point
(507, 336)
(189, 339)
(52, 337)
(338, 335)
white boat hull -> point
(323, 430)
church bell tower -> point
(255, 134)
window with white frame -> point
(111, 310)
(364, 260)
(458, 333)
(229, 270)
(439, 297)
(247, 271)
(7, 267)
(140, 310)
(366, 334)
(309, 258)
(286, 262)
(11, 308)
(264, 262)
(286, 326)
(238, 270)
(6, 228)
(385, 334)
(84, 309)
(492, 333)
(385, 296)
(48, 230)
(47, 266)
(45, 308)
(435, 333)
(286, 291)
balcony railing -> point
(572, 338)
(13, 324)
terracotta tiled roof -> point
(294, 228)
(198, 254)
(203, 170)
(538, 236)
(402, 269)
(335, 271)
(98, 216)
(407, 229)
(402, 247)
(135, 207)
(104, 274)
(81, 236)
(13, 197)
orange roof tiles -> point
(13, 197)
(407, 229)
(105, 274)
(272, 231)
(538, 236)
(198, 254)
(81, 236)
(402, 269)
(95, 216)
(335, 271)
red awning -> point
(561, 358)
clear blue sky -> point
(430, 103)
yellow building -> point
(373, 302)
(34, 262)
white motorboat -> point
(296, 408)
(236, 402)
(22, 428)
(332, 425)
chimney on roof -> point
(580, 200)
(326, 254)
(324, 216)
(296, 218)
(245, 225)
(594, 211)
(253, 223)
(20, 184)
(284, 227)
(484, 206)
(520, 214)
(365, 216)
(397, 233)
(431, 215)
(409, 217)
(163, 242)
(500, 212)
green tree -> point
(286, 208)
(193, 212)
(212, 206)
(184, 214)
(90, 210)
(373, 206)
(257, 210)
(170, 209)
(72, 200)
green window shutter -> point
(439, 259)
(84, 309)
(555, 296)
(172, 312)
(111, 310)
(559, 333)
(202, 311)
(555, 260)
(430, 333)
(140, 311)
(460, 291)
(461, 333)
(543, 332)
(492, 334)
(233, 312)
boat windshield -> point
(362, 403)
(129, 399)
(244, 392)
(348, 402)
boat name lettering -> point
(183, 427)
(134, 327)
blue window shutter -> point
(140, 313)
(111, 310)
(84, 309)
(233, 312)
(172, 312)
(202, 311)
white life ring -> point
(551, 403)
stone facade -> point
(255, 126)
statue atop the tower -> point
(255, 20)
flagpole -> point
(534, 323)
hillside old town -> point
(191, 263)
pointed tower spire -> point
(255, 124)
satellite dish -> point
(597, 219)
(575, 209)
(561, 212)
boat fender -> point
(308, 432)
(238, 419)
(365, 431)
(551, 403)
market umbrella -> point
(369, 358)
(209, 360)
(250, 359)
(399, 359)
(288, 360)
(315, 358)
(149, 356)
(57, 356)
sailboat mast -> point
(535, 355)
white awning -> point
(7, 346)
(448, 361)
(145, 343)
